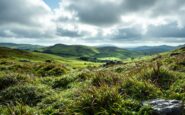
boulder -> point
(165, 107)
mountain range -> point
(92, 51)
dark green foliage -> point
(19, 109)
(145, 110)
(107, 78)
(119, 70)
(97, 101)
(139, 90)
(177, 90)
(178, 67)
(85, 75)
(7, 80)
(48, 69)
(26, 94)
(160, 77)
(61, 83)
(104, 100)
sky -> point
(122, 23)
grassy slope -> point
(8, 53)
(115, 89)
(21, 46)
(74, 50)
(81, 51)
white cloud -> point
(93, 21)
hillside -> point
(107, 52)
(21, 46)
(53, 88)
(86, 51)
(150, 50)
(71, 50)
(28, 56)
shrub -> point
(12, 79)
(97, 101)
(50, 70)
(54, 104)
(160, 77)
(120, 69)
(84, 76)
(19, 109)
(177, 90)
(145, 110)
(139, 90)
(26, 94)
(107, 78)
(63, 82)
(178, 67)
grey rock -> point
(166, 107)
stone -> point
(165, 107)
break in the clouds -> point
(93, 22)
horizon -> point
(129, 23)
(104, 45)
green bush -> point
(107, 78)
(63, 82)
(50, 70)
(177, 90)
(178, 67)
(93, 101)
(84, 76)
(103, 100)
(7, 80)
(54, 104)
(19, 109)
(160, 77)
(145, 110)
(26, 94)
(139, 90)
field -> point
(36, 83)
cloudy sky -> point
(93, 22)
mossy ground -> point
(39, 87)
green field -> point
(36, 83)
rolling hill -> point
(21, 46)
(18, 55)
(71, 50)
(86, 51)
(77, 51)
(150, 50)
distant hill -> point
(21, 46)
(96, 52)
(150, 50)
(86, 51)
(71, 50)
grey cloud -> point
(106, 13)
(96, 12)
(166, 31)
(128, 34)
(19, 18)
(19, 11)
(137, 5)
(68, 33)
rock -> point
(24, 61)
(166, 107)
(111, 62)
(48, 61)
(174, 54)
